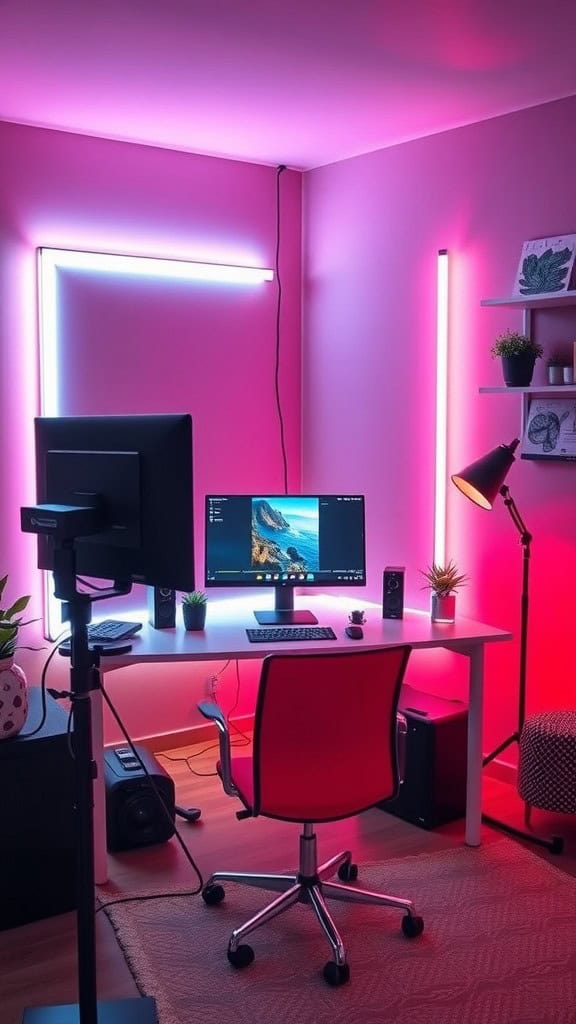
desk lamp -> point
(482, 481)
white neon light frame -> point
(441, 445)
(50, 261)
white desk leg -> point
(474, 766)
(99, 793)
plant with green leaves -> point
(194, 598)
(11, 623)
(443, 580)
(512, 343)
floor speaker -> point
(135, 816)
(37, 818)
(162, 607)
(434, 787)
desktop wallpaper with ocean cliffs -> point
(285, 535)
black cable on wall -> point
(279, 171)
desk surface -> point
(228, 619)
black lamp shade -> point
(481, 480)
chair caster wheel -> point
(348, 872)
(412, 926)
(336, 974)
(213, 894)
(241, 957)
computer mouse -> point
(354, 632)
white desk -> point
(225, 637)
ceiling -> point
(299, 82)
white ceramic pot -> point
(13, 698)
(443, 609)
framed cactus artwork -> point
(546, 266)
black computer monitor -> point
(284, 542)
(137, 471)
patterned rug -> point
(499, 947)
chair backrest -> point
(325, 733)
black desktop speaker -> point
(434, 787)
(134, 814)
(162, 607)
(37, 818)
(393, 592)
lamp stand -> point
(88, 1010)
(556, 843)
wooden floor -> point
(38, 961)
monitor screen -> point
(284, 542)
(137, 470)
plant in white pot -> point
(518, 354)
(443, 581)
(194, 610)
(13, 689)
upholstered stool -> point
(547, 765)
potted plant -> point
(443, 581)
(13, 691)
(556, 363)
(518, 353)
(194, 610)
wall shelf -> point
(549, 299)
(534, 389)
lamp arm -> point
(525, 536)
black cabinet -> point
(37, 837)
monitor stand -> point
(284, 613)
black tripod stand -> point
(556, 843)
(83, 667)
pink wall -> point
(207, 350)
(373, 226)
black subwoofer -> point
(139, 812)
(434, 787)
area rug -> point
(499, 947)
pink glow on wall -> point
(369, 373)
(71, 191)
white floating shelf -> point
(533, 389)
(534, 301)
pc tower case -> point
(434, 787)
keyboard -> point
(110, 630)
(277, 634)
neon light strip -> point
(441, 408)
(50, 261)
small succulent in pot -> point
(194, 609)
(443, 581)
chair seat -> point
(547, 764)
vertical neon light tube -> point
(441, 408)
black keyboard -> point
(109, 631)
(276, 634)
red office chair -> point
(325, 747)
